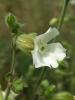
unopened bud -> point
(53, 21)
(10, 20)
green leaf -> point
(45, 84)
(18, 85)
(25, 42)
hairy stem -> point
(42, 75)
(43, 72)
(12, 70)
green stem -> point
(12, 70)
(63, 14)
(42, 75)
(8, 90)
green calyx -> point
(25, 43)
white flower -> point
(72, 2)
(45, 54)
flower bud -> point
(53, 21)
(25, 43)
(10, 20)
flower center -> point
(42, 48)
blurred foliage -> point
(37, 15)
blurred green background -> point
(36, 16)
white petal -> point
(47, 36)
(40, 60)
(57, 50)
(54, 53)
(37, 61)
(50, 60)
